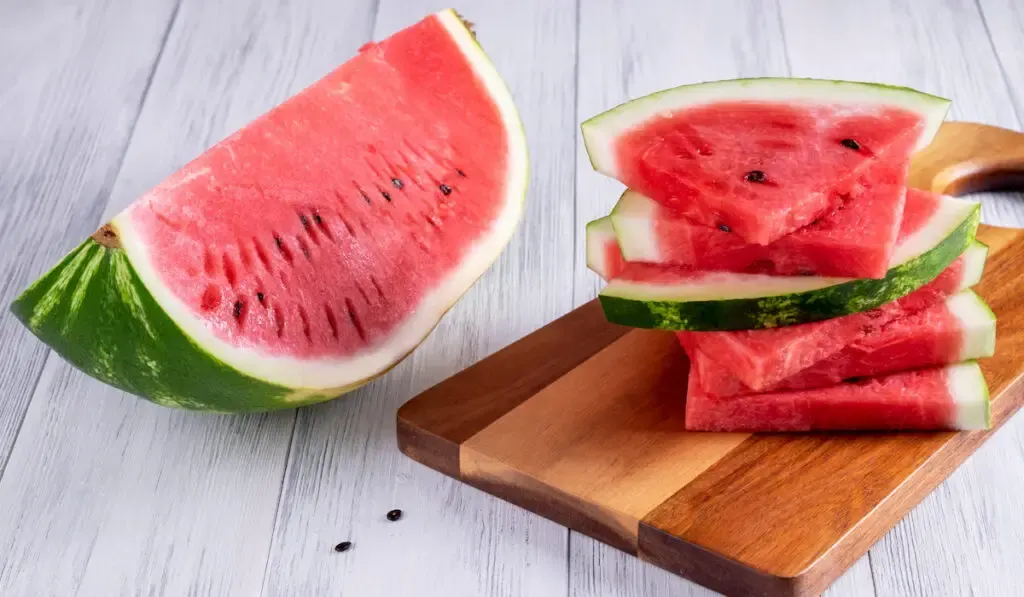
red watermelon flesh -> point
(953, 397)
(856, 240)
(604, 257)
(762, 358)
(762, 169)
(958, 329)
(340, 210)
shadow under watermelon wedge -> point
(309, 251)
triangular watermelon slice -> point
(961, 328)
(761, 157)
(676, 298)
(855, 241)
(311, 250)
(953, 397)
(763, 358)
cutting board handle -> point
(966, 157)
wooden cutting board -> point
(582, 422)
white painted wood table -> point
(105, 495)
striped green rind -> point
(853, 296)
(95, 312)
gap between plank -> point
(999, 61)
(374, 14)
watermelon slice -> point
(953, 397)
(676, 298)
(309, 251)
(855, 241)
(762, 157)
(961, 328)
(604, 257)
(762, 358)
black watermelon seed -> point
(850, 143)
(460, 173)
(259, 297)
(386, 196)
(397, 183)
(394, 515)
(365, 196)
(343, 546)
(724, 228)
(447, 190)
(238, 309)
(277, 239)
(304, 220)
(318, 219)
(755, 176)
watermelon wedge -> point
(604, 257)
(961, 328)
(953, 397)
(855, 241)
(762, 358)
(311, 250)
(674, 298)
(761, 157)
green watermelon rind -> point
(783, 309)
(600, 132)
(93, 310)
(105, 310)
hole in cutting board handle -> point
(967, 157)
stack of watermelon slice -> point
(768, 224)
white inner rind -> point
(950, 214)
(633, 218)
(600, 237)
(601, 131)
(969, 393)
(338, 373)
(974, 263)
(977, 325)
(719, 285)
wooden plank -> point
(941, 47)
(629, 49)
(345, 474)
(109, 495)
(1004, 22)
(71, 93)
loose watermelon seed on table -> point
(311, 250)
(961, 328)
(953, 397)
(675, 298)
(762, 358)
(759, 157)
